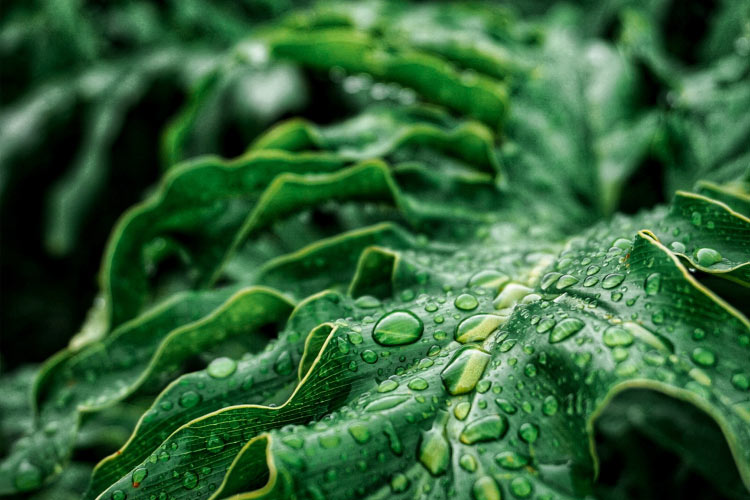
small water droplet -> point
(189, 399)
(565, 281)
(387, 385)
(615, 336)
(369, 356)
(399, 483)
(652, 285)
(189, 480)
(367, 302)
(214, 444)
(28, 476)
(528, 432)
(418, 384)
(359, 432)
(468, 463)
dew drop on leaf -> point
(565, 329)
(464, 371)
(486, 488)
(703, 357)
(221, 367)
(511, 460)
(477, 327)
(189, 480)
(652, 285)
(612, 280)
(398, 328)
(528, 432)
(484, 428)
(466, 302)
(615, 336)
(189, 399)
(139, 474)
(707, 257)
(28, 476)
(520, 487)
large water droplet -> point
(464, 371)
(565, 281)
(612, 280)
(485, 428)
(520, 487)
(434, 451)
(477, 327)
(190, 480)
(511, 460)
(707, 257)
(359, 432)
(398, 328)
(28, 476)
(485, 488)
(703, 357)
(138, 476)
(565, 329)
(466, 302)
(617, 336)
(221, 367)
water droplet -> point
(491, 280)
(615, 336)
(292, 441)
(484, 429)
(612, 280)
(677, 247)
(485, 488)
(549, 406)
(119, 495)
(189, 399)
(464, 371)
(369, 356)
(138, 476)
(520, 487)
(565, 329)
(741, 381)
(592, 269)
(506, 406)
(549, 279)
(707, 257)
(398, 328)
(462, 410)
(367, 302)
(399, 483)
(621, 243)
(511, 460)
(387, 385)
(466, 302)
(418, 384)
(511, 295)
(477, 327)
(28, 476)
(565, 281)
(545, 325)
(221, 367)
(215, 444)
(359, 432)
(696, 218)
(434, 451)
(652, 285)
(528, 432)
(329, 441)
(190, 480)
(386, 402)
(703, 357)
(590, 281)
(468, 463)
(284, 364)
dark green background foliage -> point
(276, 249)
